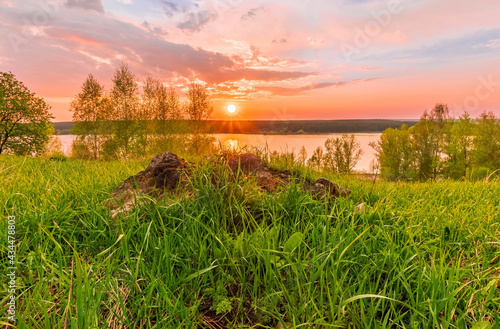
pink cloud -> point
(253, 50)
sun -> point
(231, 108)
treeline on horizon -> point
(284, 127)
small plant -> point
(265, 307)
(480, 173)
(221, 302)
(54, 150)
(58, 157)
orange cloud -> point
(81, 40)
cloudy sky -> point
(288, 59)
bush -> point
(479, 173)
(54, 149)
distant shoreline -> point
(290, 127)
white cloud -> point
(495, 43)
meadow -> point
(421, 255)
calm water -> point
(281, 143)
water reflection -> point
(280, 143)
(293, 143)
(231, 144)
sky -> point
(274, 60)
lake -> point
(282, 143)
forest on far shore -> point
(286, 127)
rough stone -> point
(269, 179)
(168, 172)
(246, 162)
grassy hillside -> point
(422, 255)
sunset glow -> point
(280, 60)
(231, 108)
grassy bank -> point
(422, 255)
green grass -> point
(422, 255)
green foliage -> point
(395, 154)
(199, 106)
(125, 124)
(221, 303)
(487, 141)
(293, 242)
(199, 109)
(479, 173)
(161, 106)
(440, 147)
(458, 147)
(125, 95)
(129, 136)
(428, 135)
(482, 325)
(316, 160)
(170, 135)
(54, 149)
(91, 114)
(302, 155)
(25, 127)
(342, 154)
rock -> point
(246, 162)
(269, 179)
(324, 185)
(250, 164)
(168, 172)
